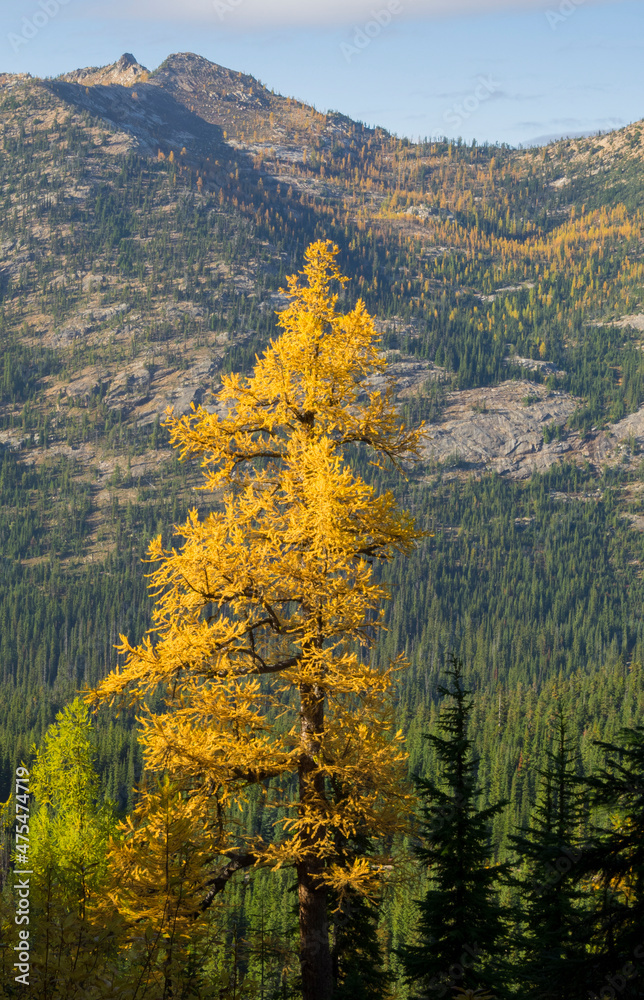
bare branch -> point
(217, 884)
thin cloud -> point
(249, 14)
(566, 128)
(547, 137)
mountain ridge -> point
(136, 336)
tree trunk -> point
(315, 951)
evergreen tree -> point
(359, 970)
(550, 921)
(615, 862)
(460, 928)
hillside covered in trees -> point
(149, 221)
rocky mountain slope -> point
(149, 219)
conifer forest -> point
(322, 525)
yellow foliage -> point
(265, 612)
(158, 864)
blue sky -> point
(513, 71)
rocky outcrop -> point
(125, 72)
(153, 117)
(510, 428)
(519, 428)
(130, 388)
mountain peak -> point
(126, 72)
(126, 60)
(196, 71)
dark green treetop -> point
(460, 924)
(549, 928)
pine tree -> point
(359, 970)
(460, 925)
(358, 965)
(614, 863)
(261, 613)
(552, 959)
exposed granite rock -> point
(502, 428)
(152, 116)
(534, 365)
(516, 428)
(511, 428)
(126, 72)
(409, 375)
(12, 439)
(81, 390)
(634, 321)
(130, 388)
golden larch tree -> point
(266, 611)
